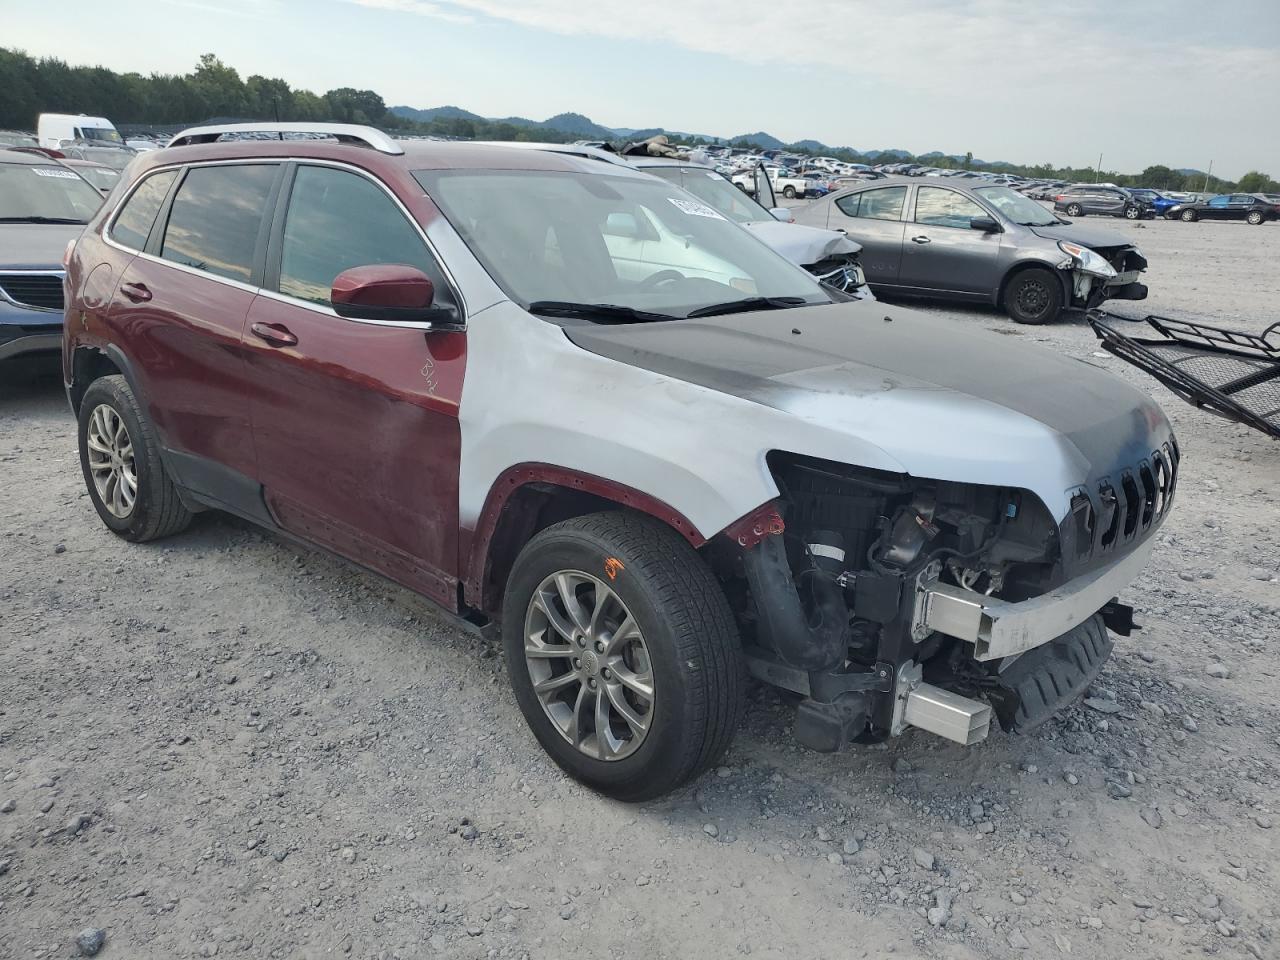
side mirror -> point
(389, 293)
(985, 224)
(784, 214)
(622, 225)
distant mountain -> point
(577, 123)
(435, 113)
(760, 138)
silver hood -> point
(926, 391)
(801, 244)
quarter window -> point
(216, 216)
(338, 220)
(133, 223)
(945, 208)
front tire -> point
(1075, 210)
(1033, 296)
(623, 654)
(1132, 213)
(121, 463)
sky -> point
(1179, 82)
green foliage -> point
(1257, 182)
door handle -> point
(137, 292)
(277, 335)
(921, 239)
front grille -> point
(40, 290)
(1121, 509)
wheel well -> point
(1023, 267)
(87, 365)
(528, 510)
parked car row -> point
(1255, 208)
(736, 470)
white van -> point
(55, 129)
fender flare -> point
(475, 545)
(118, 358)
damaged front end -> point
(1097, 274)
(886, 601)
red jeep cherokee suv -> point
(570, 399)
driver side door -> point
(355, 423)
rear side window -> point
(133, 222)
(884, 203)
(338, 220)
(215, 218)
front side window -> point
(1218, 202)
(216, 216)
(945, 208)
(884, 203)
(133, 222)
(610, 241)
(36, 193)
(338, 220)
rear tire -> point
(692, 652)
(1033, 296)
(1189, 216)
(1254, 217)
(1075, 210)
(154, 510)
(789, 192)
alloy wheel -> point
(111, 462)
(589, 665)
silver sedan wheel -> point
(589, 665)
(111, 461)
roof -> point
(30, 159)
(417, 155)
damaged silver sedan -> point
(984, 244)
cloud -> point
(423, 8)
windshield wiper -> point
(746, 306)
(607, 312)
(41, 220)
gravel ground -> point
(223, 744)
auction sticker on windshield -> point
(694, 208)
(50, 172)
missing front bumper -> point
(998, 628)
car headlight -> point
(1086, 260)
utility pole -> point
(1206, 177)
(1097, 173)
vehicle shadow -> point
(31, 386)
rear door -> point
(1216, 209)
(1239, 205)
(943, 253)
(355, 423)
(873, 218)
(180, 309)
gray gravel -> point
(366, 787)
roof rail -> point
(573, 149)
(344, 132)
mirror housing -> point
(985, 224)
(784, 214)
(389, 293)
(622, 225)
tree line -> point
(32, 86)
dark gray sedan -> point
(987, 244)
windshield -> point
(104, 178)
(115, 157)
(45, 193)
(715, 191)
(626, 242)
(18, 139)
(101, 134)
(1016, 207)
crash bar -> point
(998, 628)
(344, 132)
